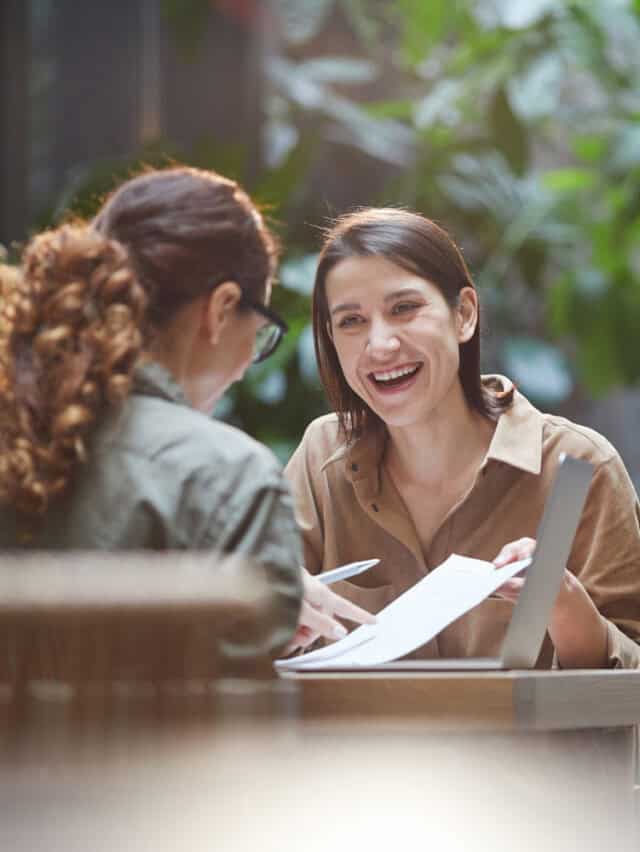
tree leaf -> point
(626, 149)
(307, 363)
(279, 140)
(440, 104)
(597, 358)
(299, 273)
(539, 369)
(569, 180)
(424, 24)
(301, 20)
(519, 14)
(536, 90)
(508, 133)
(590, 148)
(273, 388)
(339, 69)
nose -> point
(382, 340)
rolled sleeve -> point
(622, 651)
(606, 558)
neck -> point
(457, 438)
(175, 348)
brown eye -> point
(405, 307)
(349, 321)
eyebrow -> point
(397, 294)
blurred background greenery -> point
(515, 123)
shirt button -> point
(375, 508)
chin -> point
(400, 420)
(403, 415)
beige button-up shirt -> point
(349, 509)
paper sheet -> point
(450, 590)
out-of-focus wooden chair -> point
(118, 636)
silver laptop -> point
(532, 611)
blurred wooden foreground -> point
(139, 710)
(114, 637)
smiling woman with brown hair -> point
(424, 457)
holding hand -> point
(317, 615)
(576, 628)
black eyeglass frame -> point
(268, 314)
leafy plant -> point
(513, 122)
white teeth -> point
(388, 375)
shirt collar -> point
(151, 379)
(362, 461)
(517, 441)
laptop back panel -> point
(555, 536)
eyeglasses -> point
(270, 334)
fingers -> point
(322, 598)
(320, 623)
(510, 590)
(345, 609)
(303, 638)
(522, 548)
(319, 607)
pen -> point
(346, 571)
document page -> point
(450, 590)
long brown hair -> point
(89, 297)
(418, 245)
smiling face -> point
(396, 338)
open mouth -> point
(395, 378)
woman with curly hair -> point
(121, 334)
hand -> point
(319, 606)
(522, 548)
(576, 628)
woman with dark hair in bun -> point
(424, 457)
(120, 336)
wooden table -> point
(518, 700)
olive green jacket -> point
(163, 476)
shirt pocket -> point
(479, 632)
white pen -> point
(345, 571)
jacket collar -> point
(517, 441)
(151, 379)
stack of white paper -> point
(415, 617)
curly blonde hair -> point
(72, 321)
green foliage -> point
(513, 122)
(525, 141)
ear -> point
(219, 309)
(466, 314)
